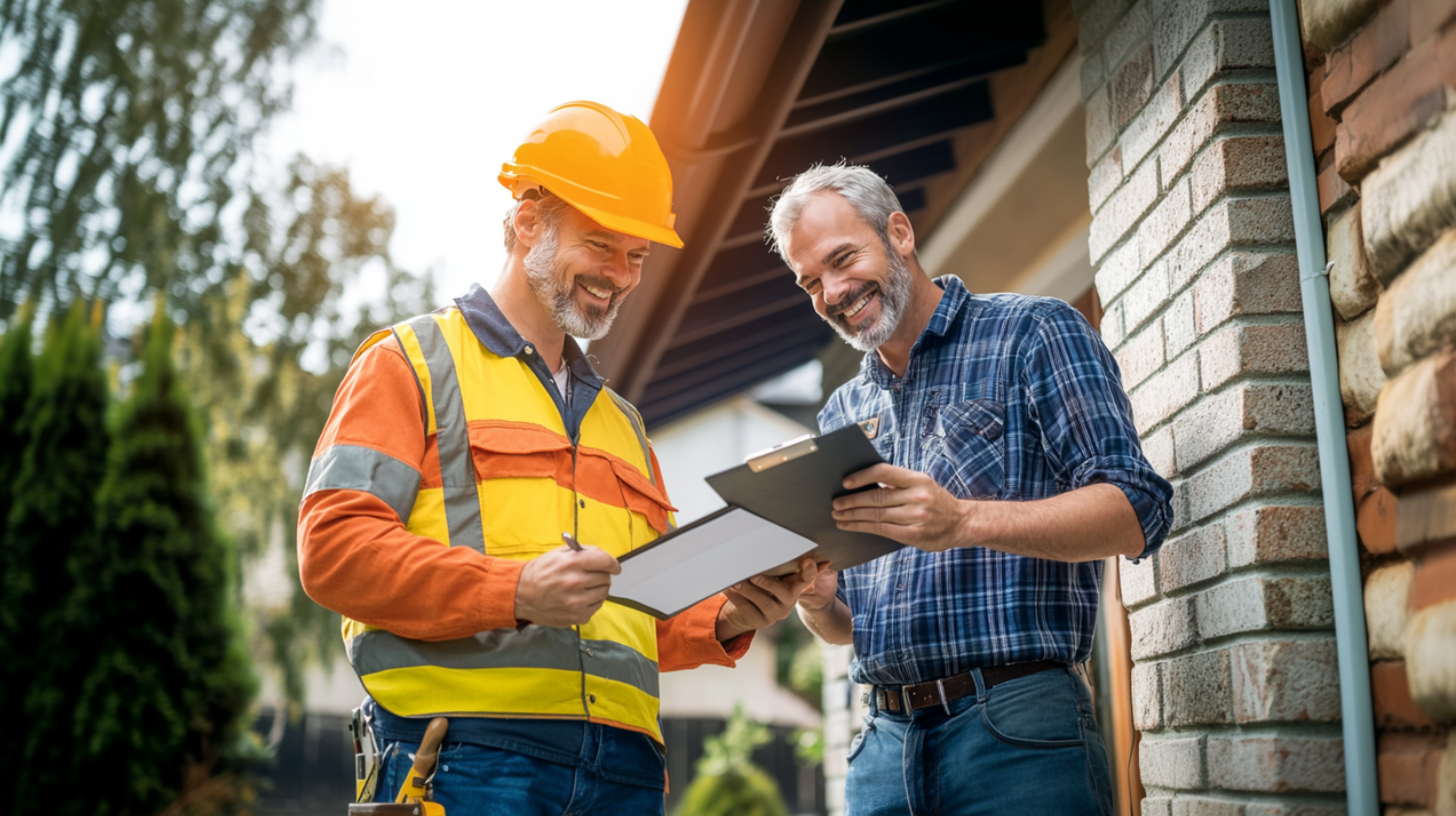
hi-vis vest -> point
(509, 483)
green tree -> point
(137, 121)
(51, 516)
(727, 782)
(17, 374)
(167, 679)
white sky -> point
(424, 101)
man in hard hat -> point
(1013, 469)
(482, 427)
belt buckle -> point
(944, 703)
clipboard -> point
(779, 509)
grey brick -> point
(1104, 179)
(1178, 21)
(1141, 355)
(1094, 73)
(1196, 689)
(1207, 807)
(1100, 132)
(1139, 581)
(1122, 211)
(1180, 324)
(1133, 30)
(1276, 534)
(1244, 473)
(1246, 284)
(1157, 806)
(1193, 558)
(1111, 326)
(1212, 114)
(1172, 763)
(1165, 223)
(1238, 164)
(1117, 272)
(1236, 351)
(1149, 127)
(1096, 21)
(1165, 393)
(1221, 420)
(1158, 448)
(1286, 681)
(1166, 626)
(1277, 764)
(1147, 696)
(1258, 604)
(1146, 297)
(1226, 45)
(1132, 85)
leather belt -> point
(940, 692)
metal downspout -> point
(1361, 789)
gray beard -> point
(558, 292)
(894, 296)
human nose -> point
(836, 288)
(618, 269)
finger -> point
(878, 497)
(595, 559)
(752, 592)
(904, 515)
(881, 474)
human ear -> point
(528, 223)
(901, 234)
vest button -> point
(530, 350)
(591, 698)
(581, 502)
(589, 653)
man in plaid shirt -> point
(1013, 469)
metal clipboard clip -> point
(797, 447)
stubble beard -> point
(557, 290)
(894, 296)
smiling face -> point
(581, 272)
(858, 285)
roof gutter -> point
(1361, 789)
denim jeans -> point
(474, 779)
(1029, 745)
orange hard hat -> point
(603, 163)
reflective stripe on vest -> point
(510, 482)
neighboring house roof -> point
(757, 92)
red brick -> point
(1133, 86)
(1406, 765)
(1390, 690)
(1362, 467)
(1321, 126)
(1375, 521)
(1435, 577)
(1400, 102)
(1378, 45)
(1425, 517)
(1333, 190)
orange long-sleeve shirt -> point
(356, 557)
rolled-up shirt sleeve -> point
(1086, 419)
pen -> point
(571, 542)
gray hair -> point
(548, 207)
(869, 194)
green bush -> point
(728, 783)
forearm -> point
(831, 623)
(1086, 524)
(690, 639)
(356, 559)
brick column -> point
(1235, 685)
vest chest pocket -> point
(524, 476)
(967, 448)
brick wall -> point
(1235, 685)
(1382, 78)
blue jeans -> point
(1030, 745)
(473, 779)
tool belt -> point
(941, 692)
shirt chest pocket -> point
(966, 448)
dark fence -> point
(313, 773)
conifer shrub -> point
(727, 782)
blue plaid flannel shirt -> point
(1008, 398)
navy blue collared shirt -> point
(1005, 398)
